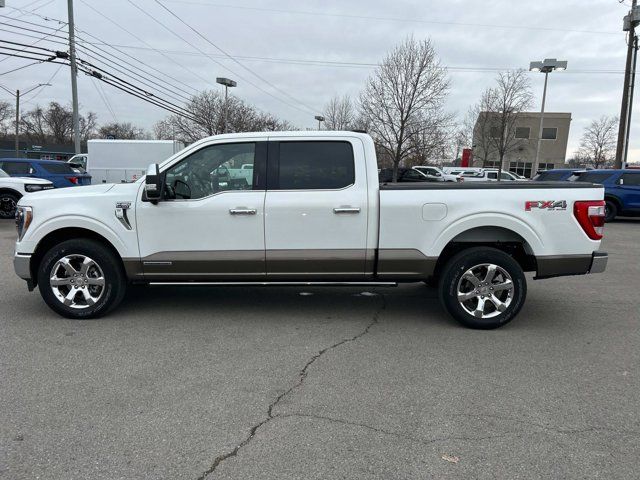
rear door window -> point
(315, 165)
(58, 168)
(631, 179)
(17, 168)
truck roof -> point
(292, 134)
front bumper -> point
(22, 266)
(564, 265)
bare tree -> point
(511, 96)
(598, 143)
(55, 124)
(208, 114)
(408, 87)
(7, 113)
(340, 114)
(123, 130)
(478, 123)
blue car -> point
(559, 175)
(61, 174)
(621, 190)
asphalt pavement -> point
(324, 383)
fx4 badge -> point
(545, 205)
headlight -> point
(34, 187)
(24, 216)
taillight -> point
(590, 216)
(73, 180)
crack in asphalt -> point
(302, 375)
(382, 431)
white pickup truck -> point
(313, 212)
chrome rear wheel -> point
(485, 290)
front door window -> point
(211, 170)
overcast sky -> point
(294, 38)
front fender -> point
(33, 238)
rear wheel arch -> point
(499, 238)
(70, 233)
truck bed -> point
(524, 185)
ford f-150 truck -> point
(312, 212)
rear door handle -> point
(340, 210)
(242, 211)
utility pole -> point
(74, 79)
(17, 123)
(320, 119)
(625, 110)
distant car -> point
(621, 190)
(61, 174)
(489, 175)
(438, 174)
(79, 162)
(13, 189)
(559, 175)
(404, 175)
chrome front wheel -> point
(77, 281)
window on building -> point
(521, 168)
(491, 164)
(546, 166)
(523, 132)
(549, 133)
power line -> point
(37, 41)
(41, 88)
(145, 79)
(145, 43)
(206, 39)
(393, 19)
(100, 93)
(253, 84)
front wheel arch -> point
(62, 235)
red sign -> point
(467, 153)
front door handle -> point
(346, 210)
(242, 211)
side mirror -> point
(153, 184)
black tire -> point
(610, 210)
(511, 299)
(114, 283)
(8, 204)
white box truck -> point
(122, 161)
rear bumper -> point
(564, 265)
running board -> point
(278, 284)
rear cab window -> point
(313, 165)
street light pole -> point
(534, 167)
(17, 123)
(227, 84)
(629, 25)
(74, 77)
(547, 66)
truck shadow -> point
(295, 305)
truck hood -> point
(24, 181)
(72, 192)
